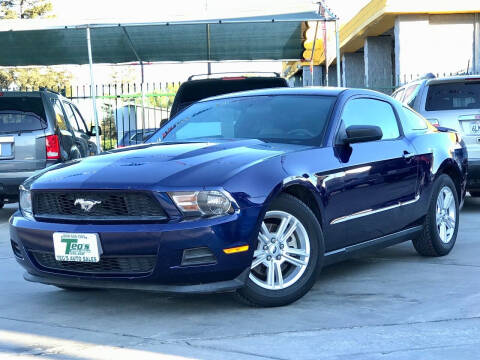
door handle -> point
(408, 155)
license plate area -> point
(474, 127)
(7, 147)
(77, 247)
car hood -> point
(163, 165)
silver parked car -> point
(450, 102)
(37, 129)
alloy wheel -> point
(446, 214)
(283, 251)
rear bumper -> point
(10, 181)
(473, 181)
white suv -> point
(451, 102)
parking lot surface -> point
(392, 304)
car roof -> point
(325, 91)
(21, 93)
(455, 78)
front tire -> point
(288, 257)
(441, 223)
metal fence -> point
(127, 113)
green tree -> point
(25, 9)
(123, 75)
(159, 99)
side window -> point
(81, 122)
(59, 116)
(70, 116)
(413, 121)
(411, 94)
(371, 112)
(398, 95)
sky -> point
(92, 11)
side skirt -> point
(334, 256)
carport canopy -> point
(265, 37)
(260, 37)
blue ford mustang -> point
(250, 192)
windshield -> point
(298, 119)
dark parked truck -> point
(196, 88)
(37, 129)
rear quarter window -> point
(453, 96)
(413, 122)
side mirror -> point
(93, 130)
(362, 133)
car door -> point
(379, 177)
(68, 146)
(85, 132)
(80, 139)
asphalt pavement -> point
(390, 304)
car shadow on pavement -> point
(471, 205)
(6, 212)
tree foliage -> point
(25, 9)
(159, 100)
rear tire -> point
(474, 193)
(440, 227)
(289, 255)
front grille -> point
(106, 265)
(97, 206)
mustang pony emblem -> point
(86, 205)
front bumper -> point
(164, 242)
(473, 181)
(9, 183)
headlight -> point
(202, 203)
(26, 202)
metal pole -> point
(325, 39)
(209, 65)
(313, 52)
(337, 41)
(93, 92)
(143, 98)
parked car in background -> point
(249, 192)
(134, 137)
(37, 129)
(199, 87)
(451, 102)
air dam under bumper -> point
(164, 242)
(215, 287)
